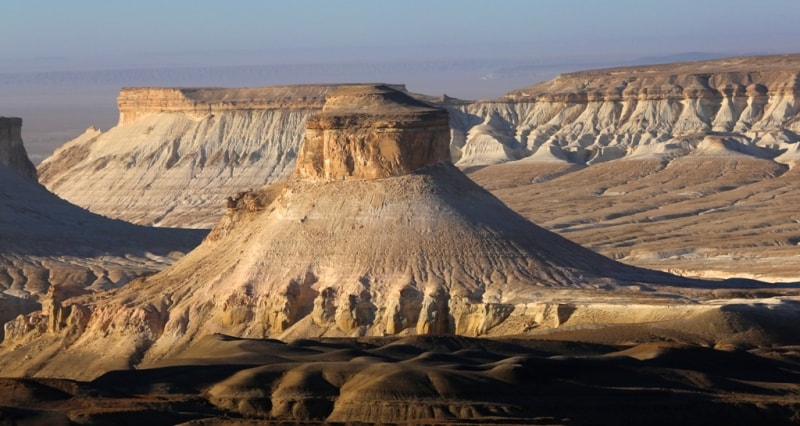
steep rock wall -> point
(12, 151)
(176, 154)
(361, 135)
(596, 116)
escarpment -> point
(596, 116)
(376, 233)
(46, 242)
(177, 154)
(135, 103)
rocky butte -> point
(376, 233)
(677, 167)
(377, 240)
(176, 154)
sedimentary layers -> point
(376, 233)
(45, 241)
(597, 116)
(177, 154)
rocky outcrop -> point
(12, 151)
(135, 103)
(596, 116)
(45, 241)
(177, 154)
(399, 245)
(372, 132)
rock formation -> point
(375, 233)
(688, 168)
(596, 116)
(340, 142)
(12, 151)
(45, 241)
(176, 154)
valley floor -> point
(708, 217)
(555, 379)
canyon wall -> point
(662, 110)
(177, 154)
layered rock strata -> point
(176, 154)
(596, 116)
(47, 242)
(372, 132)
(400, 243)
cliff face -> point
(12, 151)
(46, 242)
(135, 103)
(178, 153)
(596, 116)
(368, 132)
(400, 243)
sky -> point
(52, 35)
(62, 63)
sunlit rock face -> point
(369, 132)
(397, 242)
(176, 154)
(591, 117)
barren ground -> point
(713, 217)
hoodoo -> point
(376, 233)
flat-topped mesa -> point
(371, 132)
(12, 151)
(746, 77)
(136, 102)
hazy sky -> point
(62, 62)
(54, 34)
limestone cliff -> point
(176, 154)
(339, 142)
(46, 242)
(12, 151)
(597, 116)
(399, 242)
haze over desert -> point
(345, 213)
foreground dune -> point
(431, 380)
